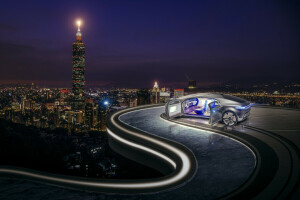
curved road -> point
(223, 163)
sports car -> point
(216, 107)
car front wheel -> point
(229, 118)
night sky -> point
(132, 43)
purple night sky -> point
(132, 43)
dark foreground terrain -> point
(56, 151)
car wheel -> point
(229, 118)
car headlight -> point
(172, 109)
(242, 107)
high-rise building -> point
(133, 102)
(155, 94)
(32, 86)
(164, 97)
(143, 97)
(103, 111)
(192, 87)
(78, 80)
(63, 95)
(192, 84)
(89, 113)
(178, 93)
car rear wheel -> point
(229, 118)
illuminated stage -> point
(254, 159)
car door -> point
(215, 112)
(173, 109)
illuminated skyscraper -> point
(89, 113)
(192, 84)
(178, 93)
(155, 94)
(78, 80)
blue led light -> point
(242, 107)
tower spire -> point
(78, 24)
(78, 34)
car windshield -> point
(234, 98)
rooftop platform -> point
(257, 159)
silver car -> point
(215, 107)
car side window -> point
(214, 103)
(217, 103)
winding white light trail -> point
(183, 172)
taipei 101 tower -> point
(78, 80)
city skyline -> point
(133, 44)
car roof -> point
(221, 97)
(210, 95)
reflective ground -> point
(223, 163)
(285, 122)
